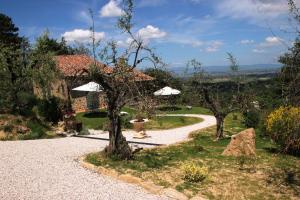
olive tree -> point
(221, 98)
(120, 81)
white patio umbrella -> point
(89, 87)
(166, 91)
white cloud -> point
(247, 41)
(81, 35)
(267, 44)
(253, 10)
(150, 32)
(145, 35)
(271, 41)
(187, 41)
(258, 51)
(214, 46)
(111, 9)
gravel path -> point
(169, 136)
(47, 169)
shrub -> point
(84, 131)
(283, 125)
(26, 102)
(193, 172)
(38, 131)
(125, 120)
(251, 119)
(50, 110)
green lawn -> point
(99, 121)
(268, 176)
(179, 109)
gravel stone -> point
(48, 169)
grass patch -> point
(276, 176)
(38, 131)
(99, 121)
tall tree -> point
(9, 35)
(290, 72)
(14, 50)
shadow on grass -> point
(95, 115)
(169, 108)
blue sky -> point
(255, 31)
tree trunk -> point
(118, 146)
(220, 127)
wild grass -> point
(275, 175)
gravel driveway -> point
(47, 169)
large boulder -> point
(241, 144)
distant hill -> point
(248, 69)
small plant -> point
(125, 120)
(139, 117)
(247, 163)
(193, 172)
(84, 131)
(8, 128)
(50, 110)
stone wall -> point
(79, 103)
(58, 89)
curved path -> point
(169, 136)
(48, 169)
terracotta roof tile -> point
(72, 65)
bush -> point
(84, 131)
(125, 121)
(283, 125)
(251, 119)
(50, 110)
(26, 102)
(38, 131)
(194, 173)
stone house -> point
(74, 72)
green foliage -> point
(43, 72)
(26, 101)
(162, 78)
(38, 131)
(84, 131)
(251, 118)
(45, 44)
(193, 172)
(125, 121)
(283, 125)
(9, 32)
(290, 72)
